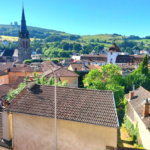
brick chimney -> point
(131, 94)
(146, 108)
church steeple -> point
(24, 51)
(23, 28)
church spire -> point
(23, 33)
(23, 28)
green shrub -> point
(27, 61)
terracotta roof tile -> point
(4, 89)
(27, 69)
(19, 80)
(61, 72)
(74, 104)
(6, 65)
(140, 95)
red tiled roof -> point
(27, 69)
(74, 104)
(61, 72)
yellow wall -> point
(14, 75)
(70, 68)
(4, 79)
(72, 81)
(35, 132)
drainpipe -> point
(55, 121)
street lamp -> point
(55, 121)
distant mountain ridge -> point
(12, 30)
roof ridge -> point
(76, 88)
(144, 89)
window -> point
(75, 81)
(111, 53)
(26, 44)
(23, 44)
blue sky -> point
(83, 17)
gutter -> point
(115, 110)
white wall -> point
(112, 56)
(144, 133)
(76, 57)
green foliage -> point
(108, 78)
(133, 132)
(133, 79)
(29, 61)
(140, 77)
(143, 67)
(42, 80)
(12, 93)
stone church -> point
(23, 52)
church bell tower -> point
(24, 51)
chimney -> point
(146, 108)
(30, 83)
(131, 94)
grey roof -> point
(23, 28)
(8, 52)
(135, 103)
(73, 104)
(2, 73)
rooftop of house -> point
(100, 55)
(60, 72)
(25, 69)
(114, 48)
(4, 89)
(74, 104)
(8, 52)
(2, 73)
(127, 66)
(19, 80)
(136, 103)
(6, 65)
(80, 67)
(46, 65)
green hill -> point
(10, 32)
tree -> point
(108, 78)
(92, 40)
(143, 67)
(99, 48)
(97, 40)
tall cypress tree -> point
(143, 67)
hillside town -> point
(85, 102)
